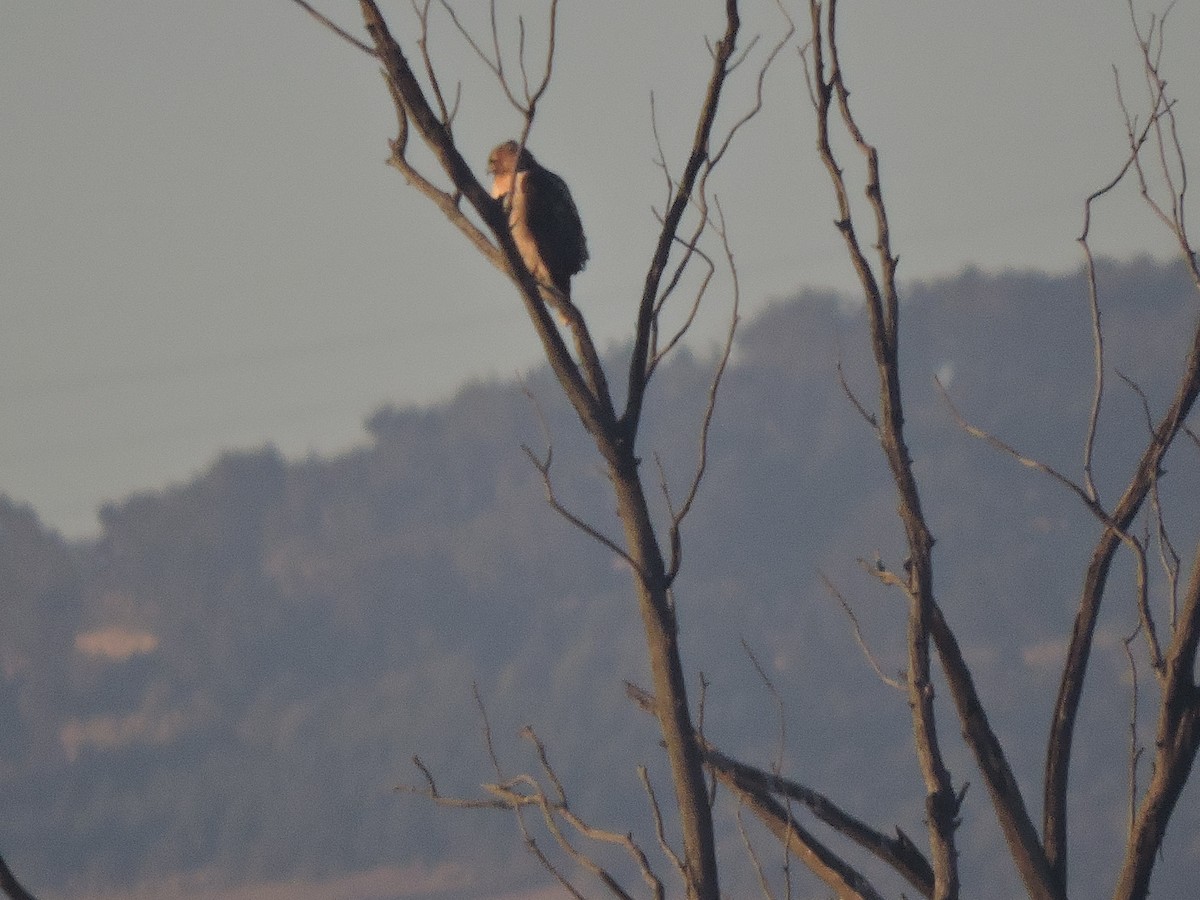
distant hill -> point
(223, 688)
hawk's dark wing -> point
(554, 223)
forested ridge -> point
(234, 674)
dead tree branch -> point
(1163, 140)
(1176, 742)
(682, 196)
(328, 23)
(757, 789)
(828, 91)
(896, 683)
(522, 792)
(584, 381)
(9, 884)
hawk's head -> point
(503, 164)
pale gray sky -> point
(201, 248)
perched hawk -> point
(541, 215)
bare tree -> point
(690, 223)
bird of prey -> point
(542, 216)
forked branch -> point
(759, 789)
(1158, 138)
(524, 792)
(830, 96)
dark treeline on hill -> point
(234, 675)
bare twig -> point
(710, 406)
(523, 792)
(487, 730)
(777, 762)
(659, 831)
(1176, 743)
(447, 113)
(858, 635)
(9, 884)
(1168, 556)
(763, 886)
(777, 699)
(1029, 462)
(551, 810)
(344, 35)
(1136, 140)
(1135, 748)
(680, 200)
(1159, 130)
(868, 417)
(829, 92)
(543, 467)
(900, 852)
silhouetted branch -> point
(328, 23)
(899, 853)
(543, 467)
(9, 884)
(1142, 481)
(858, 635)
(659, 831)
(1135, 748)
(868, 417)
(682, 197)
(827, 89)
(585, 388)
(525, 792)
(763, 886)
(677, 516)
(1028, 462)
(1176, 742)
(447, 113)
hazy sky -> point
(201, 247)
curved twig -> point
(858, 635)
(9, 884)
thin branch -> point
(757, 106)
(1160, 125)
(691, 250)
(827, 88)
(1168, 556)
(667, 234)
(447, 114)
(487, 730)
(1135, 748)
(1029, 462)
(777, 763)
(9, 884)
(1136, 141)
(900, 853)
(868, 417)
(344, 35)
(1176, 743)
(763, 886)
(561, 809)
(659, 830)
(1139, 546)
(523, 791)
(709, 411)
(494, 63)
(858, 635)
(543, 468)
